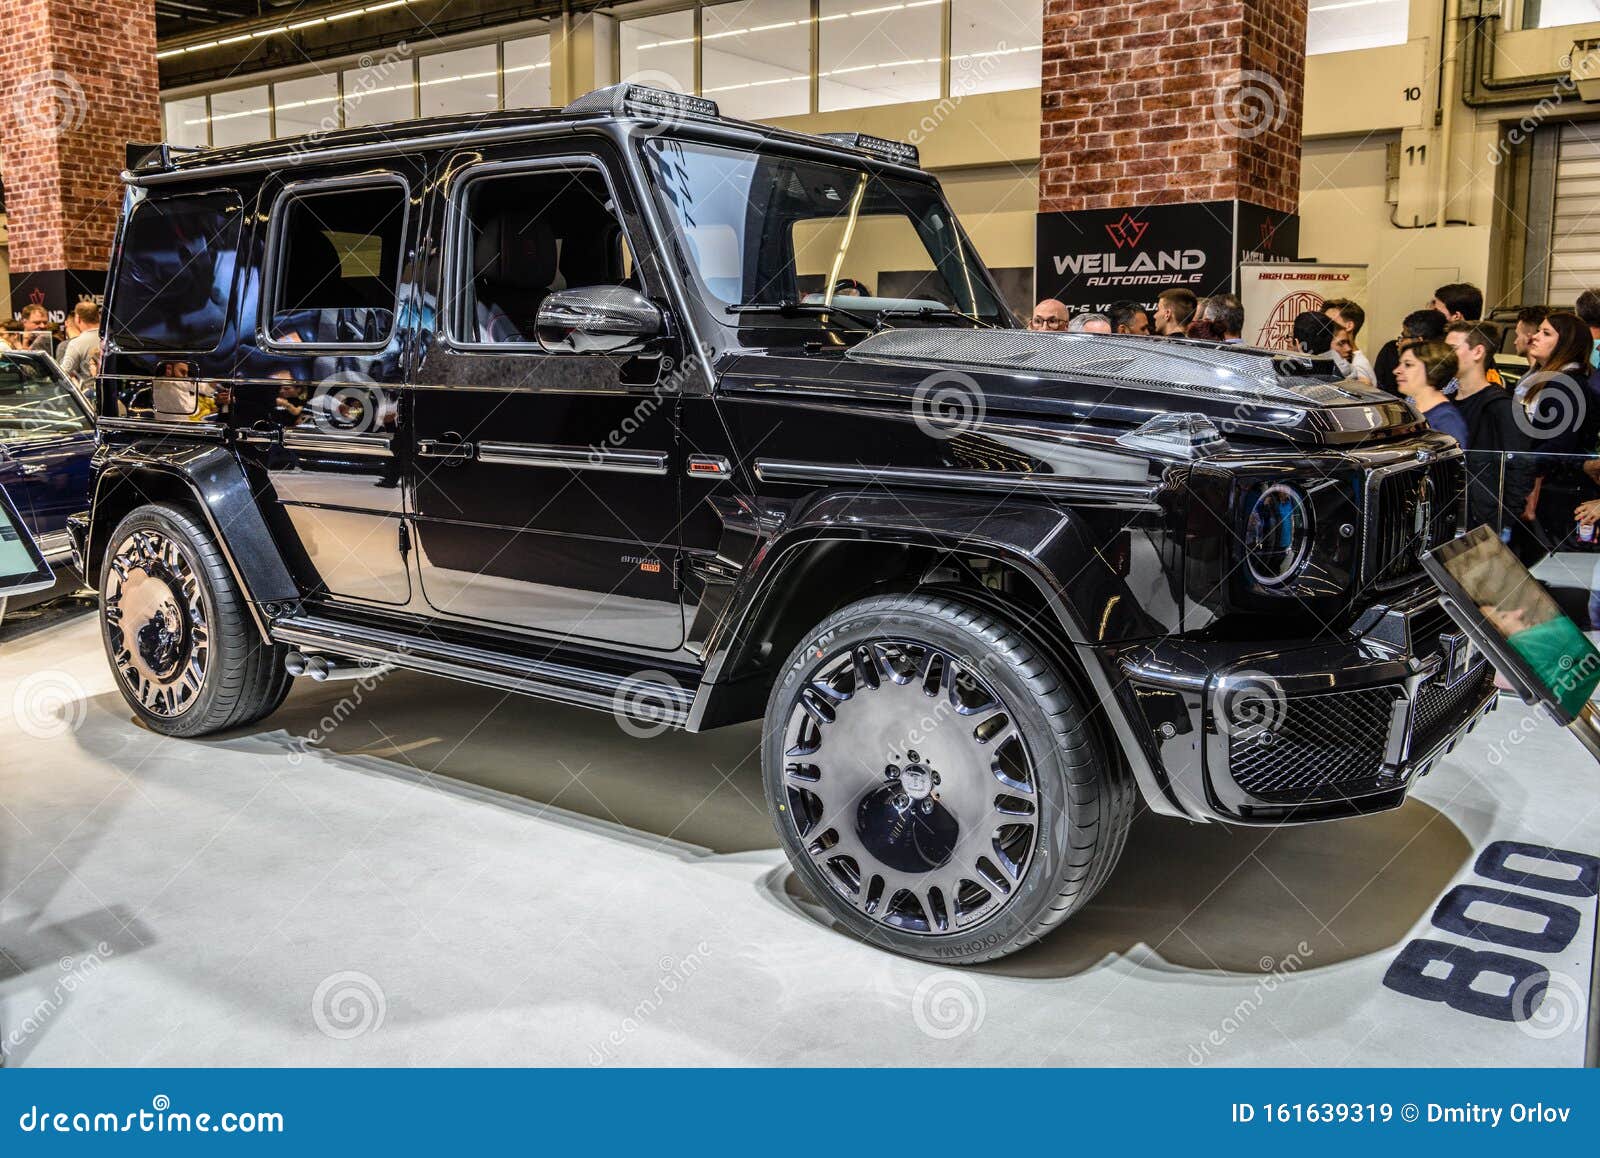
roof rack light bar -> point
(637, 100)
(900, 152)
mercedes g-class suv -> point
(631, 406)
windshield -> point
(34, 403)
(763, 231)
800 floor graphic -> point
(1464, 977)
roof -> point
(152, 164)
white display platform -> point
(443, 875)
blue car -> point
(47, 437)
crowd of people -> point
(1530, 421)
(77, 348)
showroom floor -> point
(419, 873)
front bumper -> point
(1261, 734)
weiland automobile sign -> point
(1095, 257)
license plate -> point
(1460, 656)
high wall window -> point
(464, 81)
(1345, 25)
(185, 121)
(307, 104)
(390, 88)
(527, 68)
(756, 61)
(379, 93)
(878, 55)
(995, 45)
(240, 115)
(755, 57)
(659, 50)
(1556, 13)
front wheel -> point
(187, 656)
(936, 783)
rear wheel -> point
(936, 783)
(187, 656)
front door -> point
(546, 486)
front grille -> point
(1326, 746)
(1440, 710)
(1398, 530)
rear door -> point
(318, 385)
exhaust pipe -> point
(322, 668)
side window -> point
(175, 277)
(525, 235)
(34, 403)
(336, 269)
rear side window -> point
(337, 265)
(175, 278)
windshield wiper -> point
(938, 312)
(791, 309)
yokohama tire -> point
(974, 875)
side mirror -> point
(597, 319)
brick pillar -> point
(1170, 144)
(77, 82)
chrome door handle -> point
(29, 468)
(444, 448)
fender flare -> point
(216, 480)
(1040, 541)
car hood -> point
(1243, 389)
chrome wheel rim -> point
(156, 623)
(909, 787)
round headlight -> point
(1277, 533)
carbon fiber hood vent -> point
(1212, 370)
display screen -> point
(1552, 652)
(22, 568)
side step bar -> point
(667, 703)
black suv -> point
(630, 406)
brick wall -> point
(77, 82)
(1155, 101)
